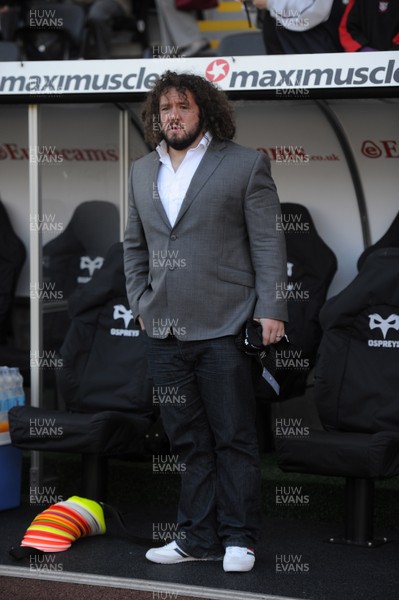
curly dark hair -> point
(213, 103)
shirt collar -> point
(206, 139)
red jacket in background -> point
(371, 23)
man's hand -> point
(141, 323)
(272, 330)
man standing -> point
(202, 255)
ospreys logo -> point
(121, 312)
(376, 321)
(91, 264)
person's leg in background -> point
(99, 23)
(9, 16)
(270, 37)
(179, 30)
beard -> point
(184, 142)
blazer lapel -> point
(208, 164)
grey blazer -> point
(222, 261)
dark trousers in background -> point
(9, 24)
(99, 23)
(209, 419)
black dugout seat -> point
(71, 259)
(356, 393)
(242, 44)
(103, 379)
(311, 266)
(12, 258)
(390, 239)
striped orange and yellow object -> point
(57, 527)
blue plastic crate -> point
(10, 476)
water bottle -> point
(19, 388)
(11, 393)
(3, 400)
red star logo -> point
(217, 70)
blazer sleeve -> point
(267, 242)
(135, 253)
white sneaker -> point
(237, 558)
(170, 554)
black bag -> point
(274, 358)
(104, 379)
(104, 433)
(356, 381)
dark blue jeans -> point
(210, 422)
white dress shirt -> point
(173, 185)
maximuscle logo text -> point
(305, 78)
(144, 79)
